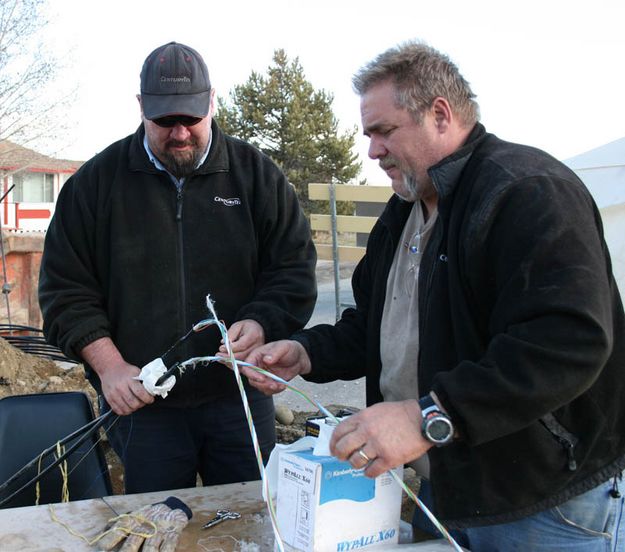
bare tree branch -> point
(32, 101)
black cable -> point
(165, 376)
(20, 327)
(32, 344)
(86, 428)
(86, 431)
(6, 193)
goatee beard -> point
(181, 164)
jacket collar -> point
(218, 159)
(446, 173)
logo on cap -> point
(175, 79)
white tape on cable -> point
(149, 376)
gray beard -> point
(412, 192)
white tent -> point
(603, 171)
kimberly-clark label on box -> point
(325, 505)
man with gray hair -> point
(487, 322)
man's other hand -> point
(123, 393)
(381, 437)
(244, 337)
(286, 359)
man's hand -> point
(123, 393)
(285, 358)
(244, 336)
(388, 434)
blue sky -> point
(548, 73)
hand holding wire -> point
(244, 336)
(284, 359)
(122, 392)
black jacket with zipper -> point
(130, 257)
(521, 330)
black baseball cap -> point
(174, 81)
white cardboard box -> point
(325, 505)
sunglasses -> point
(172, 120)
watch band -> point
(436, 426)
(428, 405)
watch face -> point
(438, 429)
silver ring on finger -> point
(362, 454)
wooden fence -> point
(336, 224)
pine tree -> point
(284, 116)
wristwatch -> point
(436, 426)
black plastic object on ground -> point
(31, 424)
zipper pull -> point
(614, 492)
(179, 206)
(571, 457)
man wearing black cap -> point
(142, 233)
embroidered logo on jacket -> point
(228, 202)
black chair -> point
(30, 424)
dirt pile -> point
(22, 373)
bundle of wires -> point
(234, 365)
(31, 340)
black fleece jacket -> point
(521, 332)
(129, 256)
